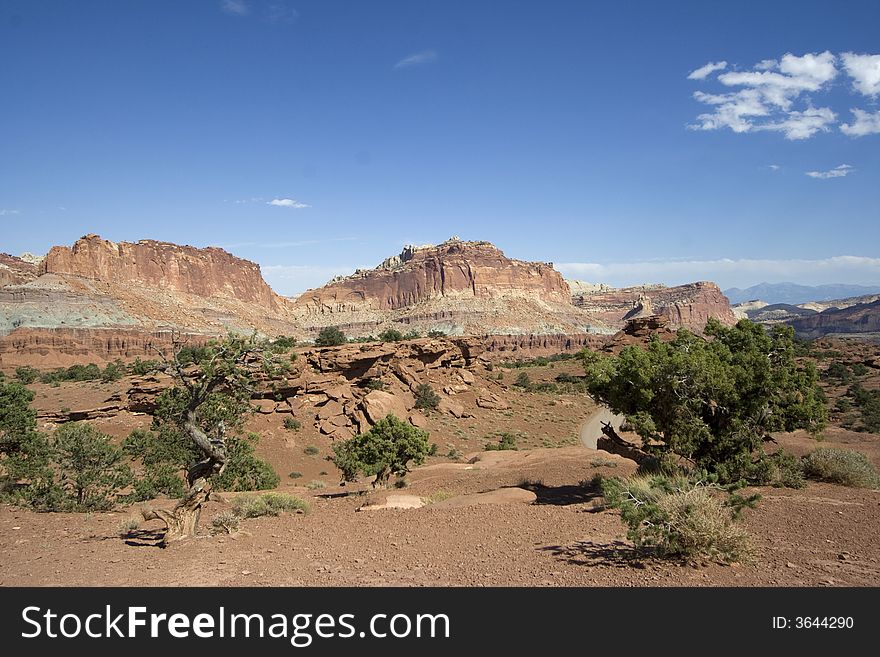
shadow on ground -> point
(563, 495)
(588, 553)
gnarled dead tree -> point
(200, 375)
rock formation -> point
(688, 306)
(453, 269)
(468, 288)
(15, 271)
(859, 320)
(209, 272)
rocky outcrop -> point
(688, 306)
(859, 320)
(454, 269)
(208, 272)
(46, 348)
(15, 271)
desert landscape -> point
(511, 490)
(299, 295)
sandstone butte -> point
(454, 269)
(207, 272)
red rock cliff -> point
(688, 306)
(15, 271)
(454, 269)
(209, 272)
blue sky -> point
(561, 131)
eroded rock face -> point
(689, 306)
(454, 269)
(861, 319)
(209, 272)
(15, 271)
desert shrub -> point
(225, 522)
(787, 470)
(711, 401)
(295, 475)
(311, 450)
(292, 424)
(113, 371)
(391, 335)
(375, 384)
(454, 454)
(127, 526)
(506, 441)
(841, 466)
(868, 404)
(844, 405)
(330, 336)
(412, 334)
(282, 344)
(839, 371)
(677, 517)
(859, 369)
(436, 333)
(25, 453)
(267, 504)
(385, 450)
(143, 367)
(601, 462)
(523, 381)
(316, 484)
(90, 372)
(426, 398)
(91, 471)
(26, 374)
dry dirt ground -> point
(823, 535)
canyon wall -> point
(208, 272)
(688, 306)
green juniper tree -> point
(385, 450)
(711, 401)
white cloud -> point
(4, 212)
(777, 95)
(803, 125)
(774, 167)
(235, 7)
(865, 123)
(732, 111)
(287, 203)
(864, 71)
(417, 59)
(837, 172)
(704, 71)
(728, 272)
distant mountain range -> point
(792, 293)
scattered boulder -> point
(379, 403)
(264, 406)
(449, 406)
(500, 496)
(393, 501)
(492, 401)
(418, 420)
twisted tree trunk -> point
(182, 521)
(611, 442)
